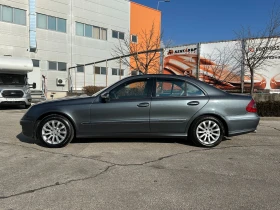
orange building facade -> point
(145, 31)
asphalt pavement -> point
(243, 172)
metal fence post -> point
(198, 61)
(94, 74)
(106, 73)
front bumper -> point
(15, 101)
(28, 127)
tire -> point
(207, 131)
(55, 131)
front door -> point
(127, 111)
(174, 103)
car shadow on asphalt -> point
(182, 141)
(134, 140)
(25, 139)
(176, 140)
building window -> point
(134, 38)
(80, 29)
(103, 34)
(19, 16)
(96, 32)
(119, 72)
(41, 21)
(60, 66)
(12, 15)
(118, 34)
(51, 23)
(91, 31)
(61, 25)
(80, 68)
(100, 70)
(52, 65)
(36, 63)
(88, 30)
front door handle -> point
(143, 104)
(193, 103)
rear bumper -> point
(243, 125)
(27, 127)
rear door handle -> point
(193, 103)
(143, 104)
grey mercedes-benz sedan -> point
(144, 106)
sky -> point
(193, 21)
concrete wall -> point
(260, 97)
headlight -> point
(27, 91)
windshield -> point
(12, 79)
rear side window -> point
(176, 88)
(194, 91)
(170, 88)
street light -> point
(162, 1)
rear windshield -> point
(12, 79)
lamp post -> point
(162, 1)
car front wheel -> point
(207, 131)
(55, 131)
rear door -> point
(174, 103)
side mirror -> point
(105, 97)
(34, 85)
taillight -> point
(252, 106)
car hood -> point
(66, 99)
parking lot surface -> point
(243, 172)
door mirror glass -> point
(34, 85)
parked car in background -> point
(144, 106)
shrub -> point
(268, 108)
(90, 90)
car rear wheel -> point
(55, 131)
(207, 131)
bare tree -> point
(148, 41)
(220, 69)
(258, 47)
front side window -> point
(131, 90)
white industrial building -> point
(58, 34)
